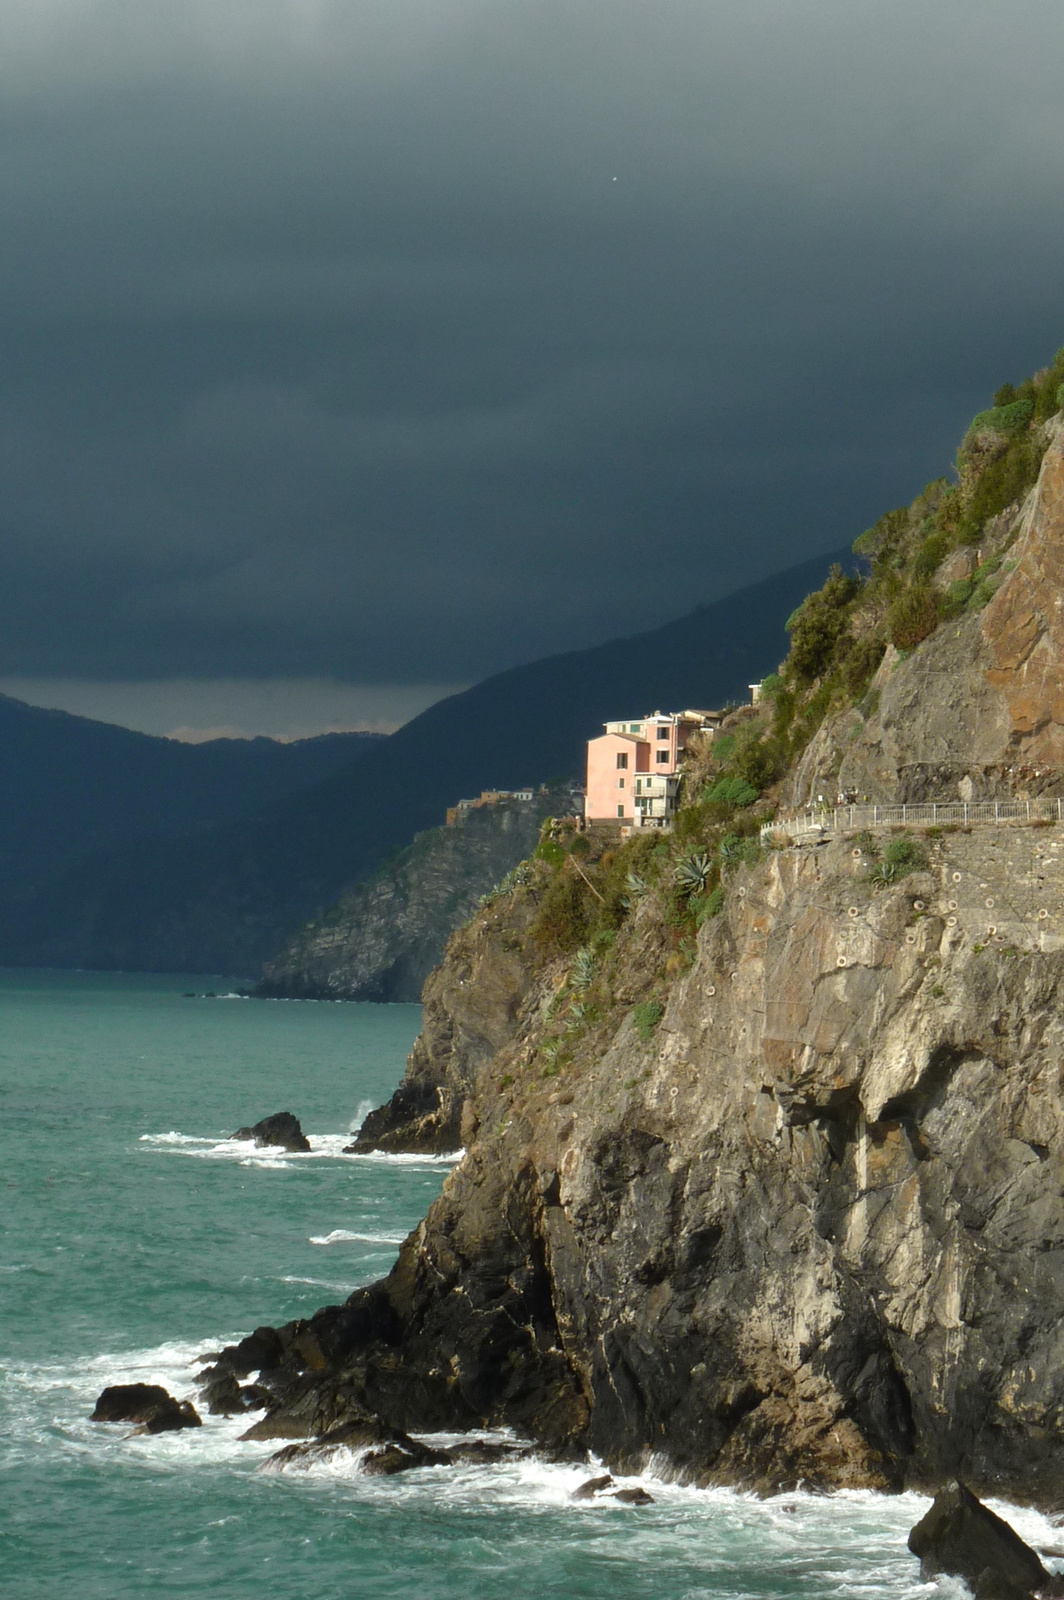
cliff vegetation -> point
(763, 1178)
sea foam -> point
(323, 1147)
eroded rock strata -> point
(773, 1194)
(813, 1230)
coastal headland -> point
(763, 1179)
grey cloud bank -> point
(331, 349)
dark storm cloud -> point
(403, 342)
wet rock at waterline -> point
(225, 1397)
(281, 1131)
(593, 1486)
(962, 1538)
(603, 1488)
(149, 1405)
(382, 1451)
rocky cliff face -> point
(471, 1003)
(812, 1228)
(977, 710)
(772, 1191)
(381, 940)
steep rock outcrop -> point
(965, 1539)
(471, 1004)
(779, 1198)
(977, 710)
(382, 939)
(812, 1230)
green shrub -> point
(882, 542)
(818, 625)
(562, 922)
(899, 858)
(912, 616)
(549, 850)
(758, 759)
(1003, 419)
(735, 849)
(733, 791)
(1060, 396)
(581, 846)
(1005, 480)
(930, 555)
(710, 905)
(646, 1017)
(861, 664)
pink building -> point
(633, 769)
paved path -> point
(815, 821)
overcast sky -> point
(386, 345)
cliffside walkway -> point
(816, 821)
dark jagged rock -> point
(487, 1453)
(383, 1451)
(393, 1458)
(225, 1397)
(470, 1008)
(262, 1349)
(282, 1131)
(962, 1538)
(592, 1487)
(147, 1404)
(807, 1228)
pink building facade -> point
(633, 768)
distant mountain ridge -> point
(70, 784)
(228, 897)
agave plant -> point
(516, 878)
(692, 873)
(582, 971)
(578, 1015)
(636, 886)
(901, 857)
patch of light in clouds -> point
(235, 708)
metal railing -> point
(816, 820)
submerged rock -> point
(962, 1538)
(633, 1497)
(281, 1130)
(149, 1405)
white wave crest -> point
(346, 1236)
(364, 1109)
(409, 1159)
(323, 1147)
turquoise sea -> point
(136, 1236)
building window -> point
(663, 755)
(622, 758)
(663, 733)
(620, 783)
(634, 727)
(620, 811)
(639, 786)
